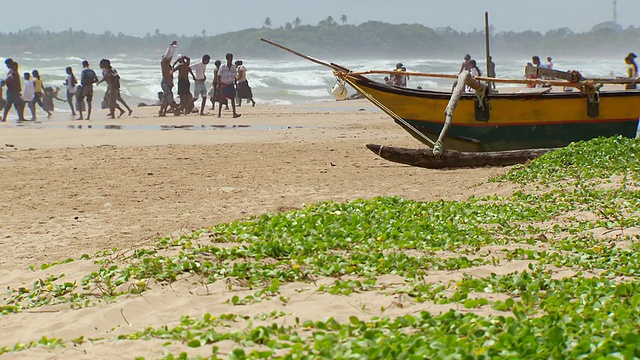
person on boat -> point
(465, 64)
(632, 69)
(549, 62)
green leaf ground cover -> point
(578, 211)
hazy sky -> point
(138, 17)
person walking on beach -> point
(47, 99)
(39, 91)
(228, 73)
(111, 77)
(71, 82)
(29, 95)
(88, 77)
(244, 90)
(200, 88)
(14, 89)
(216, 89)
(183, 67)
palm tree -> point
(267, 22)
(343, 19)
(330, 19)
(204, 32)
(297, 22)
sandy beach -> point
(79, 187)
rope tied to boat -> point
(340, 75)
(592, 90)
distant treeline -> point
(329, 39)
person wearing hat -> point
(397, 79)
(466, 64)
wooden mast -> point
(486, 48)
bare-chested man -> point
(167, 78)
(183, 67)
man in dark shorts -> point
(166, 85)
(14, 89)
(182, 66)
(88, 77)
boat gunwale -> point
(441, 94)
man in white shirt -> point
(228, 73)
(29, 94)
(199, 70)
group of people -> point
(229, 83)
(35, 93)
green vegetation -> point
(569, 235)
(330, 39)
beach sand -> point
(78, 187)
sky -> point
(139, 17)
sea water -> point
(292, 80)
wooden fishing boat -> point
(527, 119)
(487, 121)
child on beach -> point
(29, 94)
(39, 91)
(47, 99)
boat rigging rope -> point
(388, 111)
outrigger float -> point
(491, 128)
